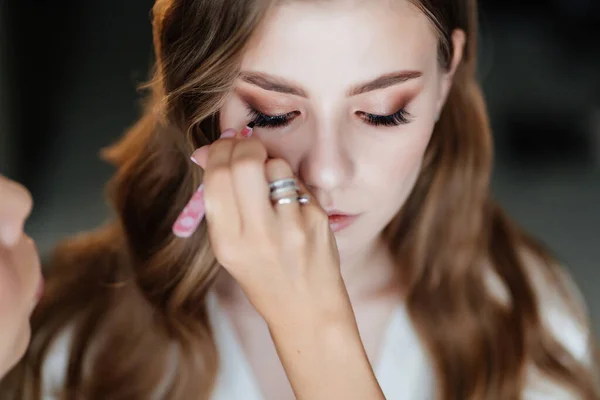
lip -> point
(339, 220)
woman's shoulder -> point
(78, 272)
(564, 314)
(561, 305)
(56, 364)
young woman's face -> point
(347, 93)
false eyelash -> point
(400, 117)
(270, 121)
(259, 119)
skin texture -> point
(20, 276)
(282, 262)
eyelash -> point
(270, 121)
(259, 119)
(400, 117)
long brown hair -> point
(133, 296)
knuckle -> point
(249, 149)
(278, 166)
(217, 174)
(256, 146)
(226, 253)
(219, 145)
(246, 163)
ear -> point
(458, 43)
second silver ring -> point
(301, 199)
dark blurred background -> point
(69, 71)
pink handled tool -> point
(193, 213)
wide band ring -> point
(280, 184)
(282, 191)
(283, 188)
(287, 191)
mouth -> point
(339, 220)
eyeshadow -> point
(273, 105)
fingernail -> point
(246, 132)
(191, 216)
(196, 155)
(228, 133)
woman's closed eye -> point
(270, 121)
(400, 117)
(263, 120)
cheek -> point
(398, 161)
(394, 161)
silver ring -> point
(304, 199)
(300, 199)
(281, 183)
(275, 194)
(287, 200)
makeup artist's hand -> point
(20, 274)
(285, 256)
(286, 260)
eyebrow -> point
(281, 85)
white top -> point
(404, 370)
(401, 351)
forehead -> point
(327, 42)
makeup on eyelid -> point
(376, 104)
(274, 103)
(398, 115)
(271, 103)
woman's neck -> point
(368, 273)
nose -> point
(327, 164)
